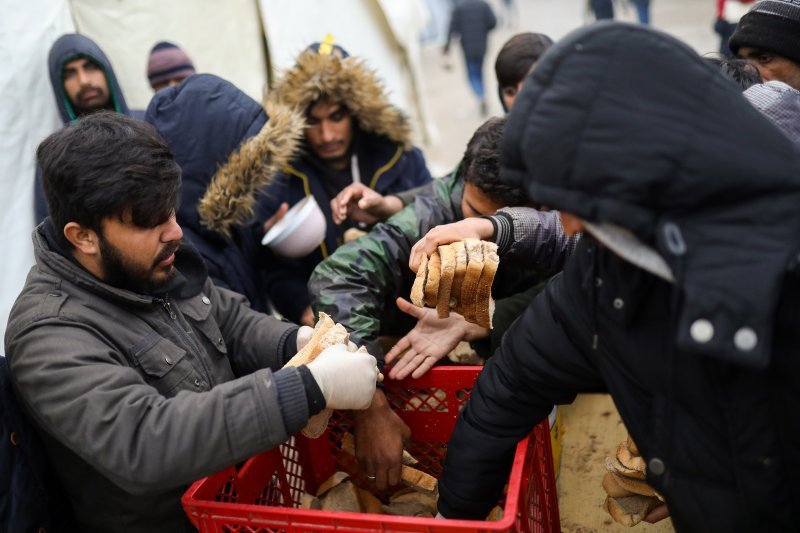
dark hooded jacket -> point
(472, 20)
(600, 130)
(203, 121)
(67, 48)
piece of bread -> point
(343, 497)
(613, 488)
(629, 460)
(630, 510)
(635, 486)
(418, 289)
(458, 276)
(418, 480)
(337, 478)
(311, 350)
(614, 466)
(369, 503)
(495, 515)
(484, 304)
(326, 333)
(309, 501)
(412, 496)
(632, 446)
(432, 283)
(447, 256)
(469, 289)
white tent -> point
(243, 41)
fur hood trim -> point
(350, 81)
(231, 196)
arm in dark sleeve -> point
(535, 237)
(538, 365)
(285, 281)
(355, 283)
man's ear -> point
(83, 239)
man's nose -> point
(172, 230)
(328, 132)
(83, 77)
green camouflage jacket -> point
(358, 284)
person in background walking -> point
(472, 20)
(728, 14)
(604, 9)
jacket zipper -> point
(165, 303)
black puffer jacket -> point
(625, 125)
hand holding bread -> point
(459, 277)
(345, 376)
(469, 228)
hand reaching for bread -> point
(469, 228)
(431, 339)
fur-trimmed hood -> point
(344, 79)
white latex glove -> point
(347, 379)
(440, 516)
(304, 335)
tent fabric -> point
(242, 41)
(28, 113)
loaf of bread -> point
(458, 277)
(326, 333)
(630, 497)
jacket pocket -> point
(197, 311)
(163, 364)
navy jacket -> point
(67, 48)
(383, 166)
(203, 121)
(472, 20)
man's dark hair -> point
(105, 164)
(480, 165)
(739, 71)
(518, 56)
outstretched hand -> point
(362, 204)
(473, 227)
(429, 341)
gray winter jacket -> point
(137, 396)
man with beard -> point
(139, 374)
(83, 82)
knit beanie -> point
(771, 25)
(166, 62)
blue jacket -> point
(383, 165)
(67, 48)
(203, 121)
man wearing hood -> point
(681, 298)
(83, 82)
(352, 134)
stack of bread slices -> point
(459, 277)
(630, 498)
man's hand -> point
(473, 227)
(362, 204)
(658, 513)
(430, 340)
(347, 379)
(304, 335)
(380, 437)
(279, 214)
(307, 318)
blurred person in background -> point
(604, 9)
(728, 14)
(769, 37)
(167, 65)
(83, 82)
(471, 21)
(514, 61)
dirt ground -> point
(591, 430)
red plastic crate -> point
(263, 495)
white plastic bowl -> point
(300, 230)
